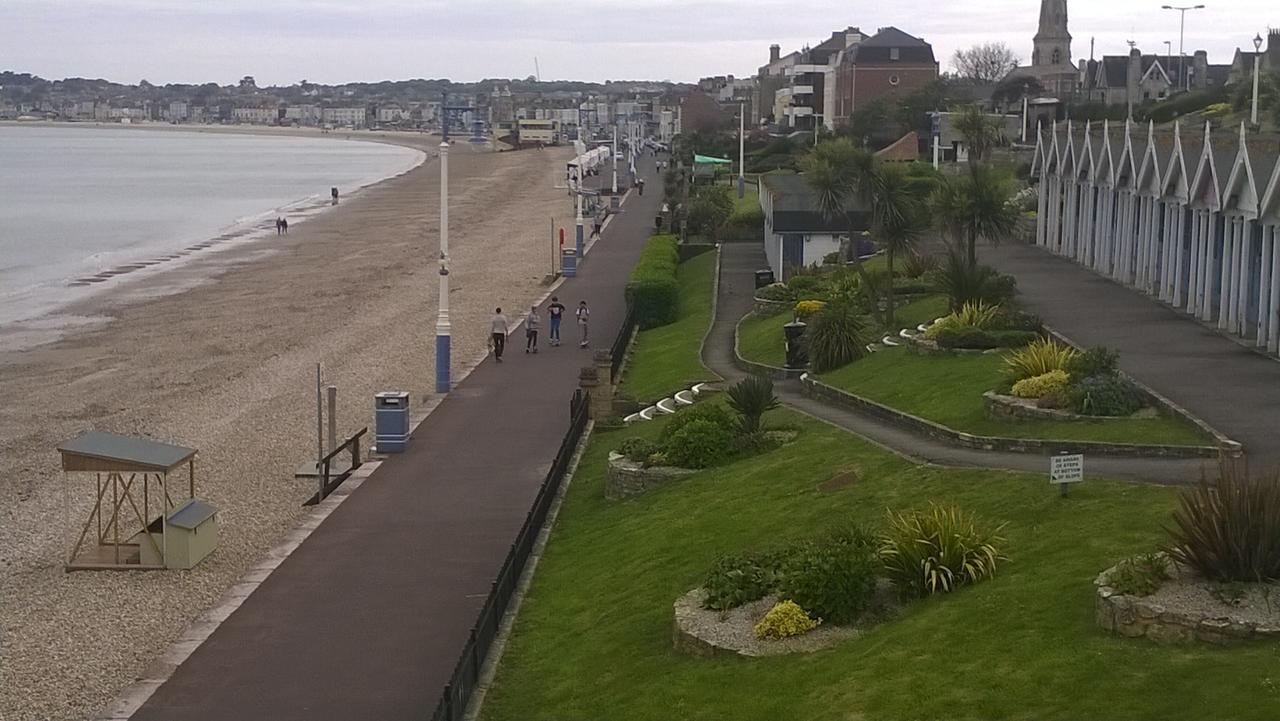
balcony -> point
(802, 90)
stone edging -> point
(625, 477)
(1138, 617)
(822, 392)
(764, 369)
(1231, 448)
(1005, 407)
(765, 307)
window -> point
(1057, 56)
(893, 53)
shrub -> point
(1042, 385)
(738, 579)
(1056, 400)
(752, 397)
(919, 264)
(1009, 319)
(638, 449)
(977, 339)
(1140, 575)
(776, 291)
(938, 550)
(754, 443)
(807, 308)
(713, 412)
(837, 335)
(1229, 531)
(784, 620)
(807, 286)
(911, 287)
(964, 284)
(652, 288)
(1038, 358)
(699, 444)
(835, 581)
(1097, 361)
(1105, 396)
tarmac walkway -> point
(738, 261)
(1231, 387)
(367, 618)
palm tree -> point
(899, 218)
(976, 206)
(981, 133)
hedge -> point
(978, 339)
(652, 288)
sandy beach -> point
(226, 364)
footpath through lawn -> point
(593, 640)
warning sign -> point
(1066, 468)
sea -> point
(87, 209)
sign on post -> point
(1065, 469)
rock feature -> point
(701, 632)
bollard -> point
(333, 418)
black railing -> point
(466, 675)
(619, 350)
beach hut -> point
(135, 482)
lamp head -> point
(1198, 7)
(1257, 42)
(1166, 7)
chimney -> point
(775, 52)
(1200, 70)
(1133, 79)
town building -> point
(179, 112)
(302, 114)
(256, 116)
(1191, 218)
(1051, 59)
(886, 66)
(796, 233)
(1130, 79)
(351, 117)
(392, 113)
(1241, 68)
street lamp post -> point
(1257, 59)
(443, 328)
(580, 240)
(742, 144)
(1182, 55)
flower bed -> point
(700, 631)
(1000, 407)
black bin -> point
(764, 277)
(793, 332)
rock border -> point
(1140, 617)
(705, 633)
(625, 477)
(822, 392)
(1002, 407)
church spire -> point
(1052, 41)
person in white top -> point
(584, 315)
(498, 329)
(531, 322)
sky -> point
(336, 41)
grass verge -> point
(948, 390)
(666, 359)
(593, 640)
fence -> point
(453, 701)
(619, 350)
(329, 480)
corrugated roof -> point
(127, 449)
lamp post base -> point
(442, 363)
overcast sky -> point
(334, 41)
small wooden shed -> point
(130, 475)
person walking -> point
(498, 333)
(584, 316)
(279, 220)
(555, 312)
(284, 225)
(531, 322)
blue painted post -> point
(581, 241)
(443, 327)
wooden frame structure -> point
(118, 463)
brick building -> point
(886, 66)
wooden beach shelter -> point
(133, 499)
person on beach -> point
(498, 333)
(531, 322)
(284, 225)
(584, 315)
(555, 312)
(278, 221)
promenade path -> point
(366, 619)
(738, 261)
(1236, 390)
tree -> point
(981, 132)
(975, 206)
(985, 62)
(710, 209)
(899, 218)
(1014, 88)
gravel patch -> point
(1192, 595)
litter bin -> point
(764, 277)
(793, 333)
(568, 262)
(391, 421)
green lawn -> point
(593, 639)
(750, 201)
(760, 338)
(665, 359)
(948, 390)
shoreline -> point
(227, 365)
(117, 284)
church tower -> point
(1052, 41)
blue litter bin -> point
(568, 262)
(391, 421)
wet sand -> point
(226, 364)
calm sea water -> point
(78, 205)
